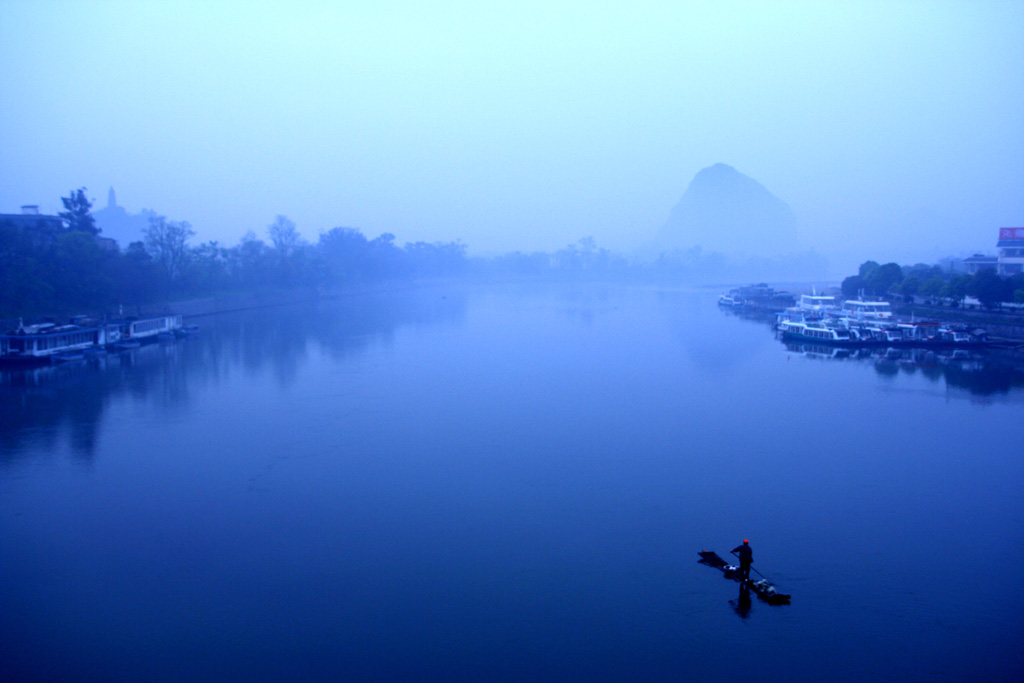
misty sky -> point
(890, 128)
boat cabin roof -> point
(857, 303)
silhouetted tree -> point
(1017, 287)
(437, 258)
(385, 259)
(536, 263)
(956, 288)
(883, 278)
(866, 268)
(167, 242)
(207, 268)
(852, 286)
(81, 272)
(988, 288)
(139, 279)
(76, 214)
(932, 286)
(910, 286)
(344, 252)
(283, 235)
(251, 261)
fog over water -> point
(892, 129)
(434, 467)
(509, 483)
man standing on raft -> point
(746, 556)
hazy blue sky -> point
(889, 126)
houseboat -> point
(48, 342)
(814, 332)
(730, 300)
(759, 297)
(51, 343)
(144, 330)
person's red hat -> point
(746, 541)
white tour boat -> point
(867, 310)
(817, 303)
(811, 331)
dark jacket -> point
(745, 553)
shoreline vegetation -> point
(930, 291)
(52, 269)
(935, 286)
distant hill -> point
(116, 223)
(727, 212)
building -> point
(1011, 251)
(43, 225)
(979, 262)
(31, 218)
(117, 224)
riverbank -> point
(1006, 325)
(233, 301)
(242, 301)
(997, 324)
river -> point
(509, 483)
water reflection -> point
(981, 373)
(742, 604)
(42, 406)
(714, 344)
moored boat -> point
(759, 297)
(864, 333)
(144, 330)
(817, 303)
(46, 342)
(866, 310)
(814, 331)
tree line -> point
(935, 283)
(48, 269)
(45, 268)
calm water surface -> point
(462, 484)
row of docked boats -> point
(820, 319)
(759, 297)
(849, 332)
(762, 296)
(48, 342)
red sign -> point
(1011, 233)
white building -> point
(1011, 251)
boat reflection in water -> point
(981, 372)
(70, 399)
